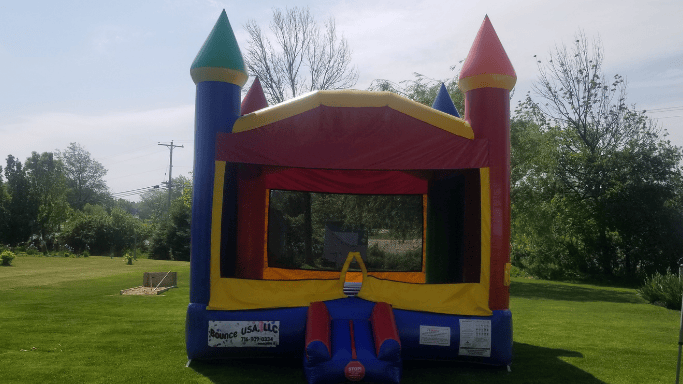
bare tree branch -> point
(301, 57)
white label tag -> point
(244, 333)
(430, 335)
(475, 337)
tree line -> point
(56, 202)
(596, 187)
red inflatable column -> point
(486, 78)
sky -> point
(115, 76)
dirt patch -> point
(145, 290)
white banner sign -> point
(430, 335)
(244, 333)
(475, 337)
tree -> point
(4, 213)
(88, 229)
(84, 175)
(540, 238)
(47, 187)
(21, 208)
(171, 237)
(101, 232)
(423, 89)
(614, 187)
(301, 59)
(153, 205)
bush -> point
(379, 259)
(665, 290)
(128, 258)
(85, 253)
(518, 272)
(171, 238)
(7, 257)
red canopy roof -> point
(334, 137)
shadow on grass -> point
(266, 370)
(532, 364)
(553, 291)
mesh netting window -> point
(316, 231)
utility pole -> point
(170, 170)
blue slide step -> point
(353, 342)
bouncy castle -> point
(354, 229)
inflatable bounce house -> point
(354, 229)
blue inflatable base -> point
(424, 336)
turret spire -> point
(487, 65)
(444, 103)
(255, 98)
(220, 58)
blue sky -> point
(114, 76)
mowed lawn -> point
(63, 320)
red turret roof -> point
(255, 99)
(487, 55)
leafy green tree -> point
(422, 89)
(290, 210)
(125, 229)
(126, 205)
(4, 213)
(171, 236)
(84, 175)
(88, 229)
(101, 232)
(612, 193)
(153, 204)
(47, 186)
(21, 208)
(540, 234)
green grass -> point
(63, 320)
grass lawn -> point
(63, 320)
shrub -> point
(128, 258)
(85, 253)
(7, 257)
(379, 259)
(518, 272)
(663, 289)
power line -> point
(666, 109)
(133, 158)
(123, 153)
(135, 174)
(134, 192)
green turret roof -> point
(220, 58)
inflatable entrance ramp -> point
(353, 347)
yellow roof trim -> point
(354, 99)
(225, 75)
(487, 80)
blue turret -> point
(444, 103)
(219, 72)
